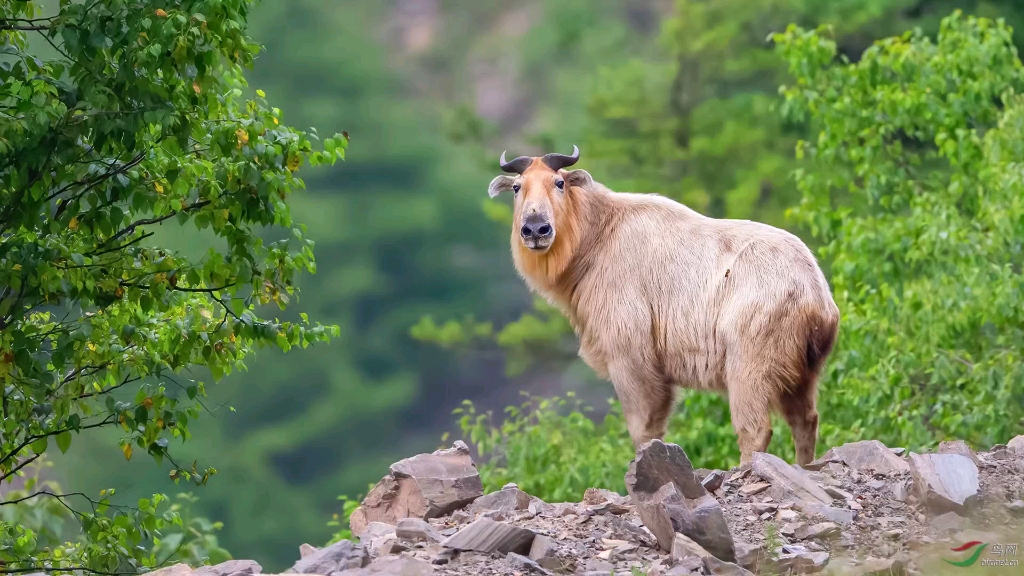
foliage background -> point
(679, 98)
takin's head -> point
(543, 201)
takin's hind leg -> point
(799, 409)
(749, 408)
(646, 398)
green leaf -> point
(64, 441)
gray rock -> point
(238, 567)
(339, 556)
(542, 547)
(818, 531)
(685, 567)
(683, 546)
(958, 447)
(787, 482)
(900, 490)
(1016, 507)
(719, 568)
(713, 481)
(392, 566)
(390, 546)
(838, 493)
(948, 522)
(417, 530)
(749, 556)
(669, 499)
(802, 561)
(508, 499)
(868, 456)
(172, 570)
(598, 565)
(945, 482)
(895, 566)
(306, 550)
(486, 535)
(523, 564)
(423, 486)
(754, 489)
(837, 515)
(1016, 445)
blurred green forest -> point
(679, 98)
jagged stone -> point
(749, 556)
(945, 482)
(799, 560)
(541, 547)
(685, 567)
(713, 481)
(754, 489)
(508, 499)
(948, 522)
(959, 447)
(838, 494)
(1016, 444)
(423, 486)
(486, 535)
(391, 546)
(392, 566)
(830, 513)
(236, 567)
(787, 482)
(306, 550)
(339, 556)
(895, 566)
(818, 531)
(417, 530)
(521, 563)
(669, 499)
(172, 570)
(683, 546)
(718, 567)
(868, 456)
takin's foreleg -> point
(646, 398)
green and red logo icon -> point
(978, 546)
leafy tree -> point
(135, 119)
(912, 186)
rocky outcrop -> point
(424, 486)
(862, 509)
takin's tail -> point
(820, 340)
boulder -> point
(717, 567)
(417, 530)
(749, 556)
(799, 560)
(341, 555)
(541, 547)
(822, 530)
(172, 570)
(945, 482)
(787, 482)
(669, 498)
(236, 567)
(392, 566)
(868, 456)
(682, 546)
(959, 447)
(508, 499)
(713, 481)
(306, 550)
(423, 486)
(521, 563)
(1016, 445)
(486, 535)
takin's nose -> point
(536, 227)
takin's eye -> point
(515, 188)
(560, 184)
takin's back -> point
(692, 291)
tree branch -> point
(146, 221)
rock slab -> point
(423, 486)
(868, 456)
(787, 483)
(486, 535)
(339, 556)
(670, 499)
(945, 482)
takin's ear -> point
(500, 184)
(578, 178)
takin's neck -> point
(556, 273)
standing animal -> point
(663, 297)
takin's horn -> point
(558, 161)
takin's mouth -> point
(538, 245)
